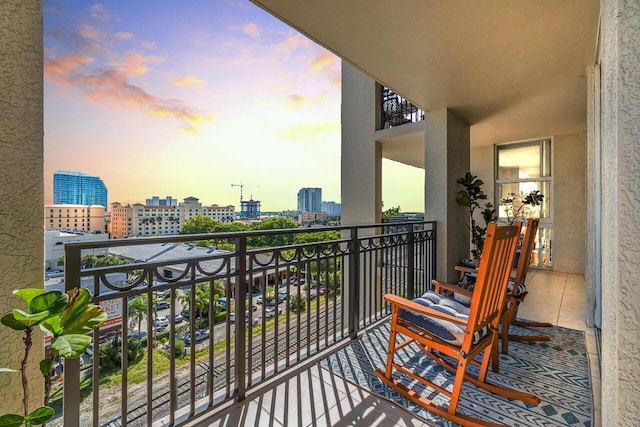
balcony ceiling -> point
(512, 69)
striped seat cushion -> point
(521, 289)
(443, 329)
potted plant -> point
(67, 318)
(471, 196)
(517, 206)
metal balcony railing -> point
(322, 293)
(396, 110)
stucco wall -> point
(21, 165)
(569, 203)
(620, 136)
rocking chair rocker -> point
(439, 330)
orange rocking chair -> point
(516, 292)
(439, 329)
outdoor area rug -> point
(556, 371)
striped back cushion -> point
(443, 329)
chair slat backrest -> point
(493, 276)
(526, 251)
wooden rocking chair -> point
(516, 292)
(439, 330)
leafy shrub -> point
(297, 304)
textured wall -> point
(620, 67)
(569, 203)
(21, 180)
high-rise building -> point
(332, 208)
(250, 209)
(78, 188)
(310, 200)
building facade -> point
(331, 208)
(54, 241)
(250, 209)
(78, 188)
(157, 201)
(310, 200)
(139, 220)
(75, 217)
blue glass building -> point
(77, 188)
(310, 200)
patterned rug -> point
(556, 371)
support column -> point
(447, 157)
(620, 91)
(21, 187)
(361, 154)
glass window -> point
(522, 168)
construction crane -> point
(239, 185)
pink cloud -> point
(58, 70)
(136, 64)
(111, 86)
(188, 80)
(251, 30)
(292, 43)
(92, 32)
(123, 35)
(322, 61)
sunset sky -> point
(186, 98)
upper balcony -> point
(263, 306)
(396, 110)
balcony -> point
(314, 295)
(396, 110)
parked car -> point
(136, 335)
(177, 318)
(162, 321)
(200, 335)
(160, 305)
(255, 320)
(270, 312)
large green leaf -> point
(28, 294)
(70, 346)
(46, 365)
(92, 317)
(39, 415)
(79, 299)
(11, 322)
(52, 325)
(11, 420)
(29, 319)
(52, 301)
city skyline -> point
(187, 99)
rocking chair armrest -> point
(452, 287)
(421, 309)
(463, 269)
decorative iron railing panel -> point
(396, 110)
(251, 313)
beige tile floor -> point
(311, 396)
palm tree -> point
(138, 310)
(89, 260)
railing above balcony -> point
(396, 110)
(322, 293)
